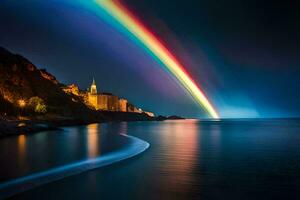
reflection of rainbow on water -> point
(184, 137)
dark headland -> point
(33, 100)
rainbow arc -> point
(127, 20)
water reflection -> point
(93, 132)
(22, 145)
(186, 160)
(215, 134)
(123, 128)
(27, 154)
(181, 139)
(22, 150)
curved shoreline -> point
(15, 186)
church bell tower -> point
(93, 87)
(93, 96)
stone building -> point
(102, 101)
(93, 95)
(107, 102)
(110, 102)
(123, 105)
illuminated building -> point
(93, 96)
(94, 87)
(123, 105)
(110, 102)
(102, 101)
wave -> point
(15, 186)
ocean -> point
(187, 159)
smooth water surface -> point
(189, 159)
(26, 154)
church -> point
(103, 101)
(110, 102)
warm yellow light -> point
(22, 103)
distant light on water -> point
(184, 136)
(92, 140)
(22, 149)
(22, 143)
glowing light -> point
(22, 143)
(157, 49)
(22, 103)
(92, 140)
(21, 150)
(182, 144)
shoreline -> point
(13, 126)
(10, 128)
(18, 185)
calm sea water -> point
(27, 154)
(186, 160)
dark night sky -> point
(244, 54)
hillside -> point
(32, 100)
(22, 84)
(21, 80)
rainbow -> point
(152, 44)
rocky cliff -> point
(21, 80)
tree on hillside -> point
(37, 105)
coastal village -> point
(32, 100)
(104, 101)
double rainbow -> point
(126, 19)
